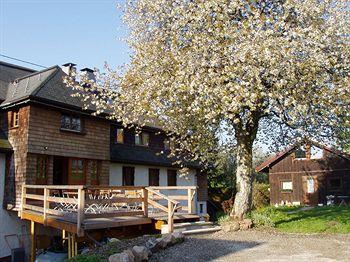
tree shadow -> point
(325, 213)
(203, 249)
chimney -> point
(69, 68)
(89, 73)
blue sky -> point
(50, 32)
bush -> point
(87, 258)
(260, 195)
(263, 217)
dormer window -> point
(119, 136)
(142, 139)
(71, 123)
(300, 153)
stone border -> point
(142, 253)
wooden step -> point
(202, 230)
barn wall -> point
(298, 171)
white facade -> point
(141, 178)
(13, 230)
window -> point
(14, 119)
(41, 169)
(287, 185)
(77, 171)
(71, 123)
(310, 185)
(119, 137)
(153, 177)
(171, 177)
(300, 153)
(94, 172)
(142, 139)
(128, 176)
(335, 183)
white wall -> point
(11, 227)
(141, 178)
(141, 175)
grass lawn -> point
(317, 220)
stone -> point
(246, 224)
(152, 245)
(125, 256)
(168, 240)
(231, 226)
(161, 244)
(85, 251)
(178, 237)
(113, 240)
(140, 253)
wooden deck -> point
(77, 209)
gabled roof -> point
(276, 158)
(8, 73)
(45, 85)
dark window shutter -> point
(171, 177)
(128, 176)
(153, 177)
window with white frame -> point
(287, 185)
(310, 183)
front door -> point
(310, 190)
(42, 165)
(77, 171)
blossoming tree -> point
(230, 71)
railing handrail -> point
(172, 187)
(162, 196)
(68, 187)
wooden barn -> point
(308, 173)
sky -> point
(53, 32)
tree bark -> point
(244, 171)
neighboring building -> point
(306, 173)
(47, 139)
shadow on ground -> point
(203, 249)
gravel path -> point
(256, 245)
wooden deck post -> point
(46, 204)
(33, 241)
(144, 193)
(170, 216)
(23, 199)
(80, 211)
(189, 201)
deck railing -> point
(78, 203)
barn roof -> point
(276, 158)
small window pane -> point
(287, 185)
(145, 139)
(137, 139)
(153, 177)
(300, 153)
(172, 177)
(120, 136)
(310, 185)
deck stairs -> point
(191, 228)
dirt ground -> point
(256, 245)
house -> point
(308, 173)
(49, 143)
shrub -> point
(265, 217)
(260, 195)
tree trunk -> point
(244, 172)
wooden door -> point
(77, 171)
(310, 190)
(42, 166)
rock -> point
(125, 256)
(168, 240)
(85, 251)
(113, 240)
(140, 253)
(246, 224)
(161, 244)
(178, 237)
(231, 226)
(152, 245)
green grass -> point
(317, 220)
